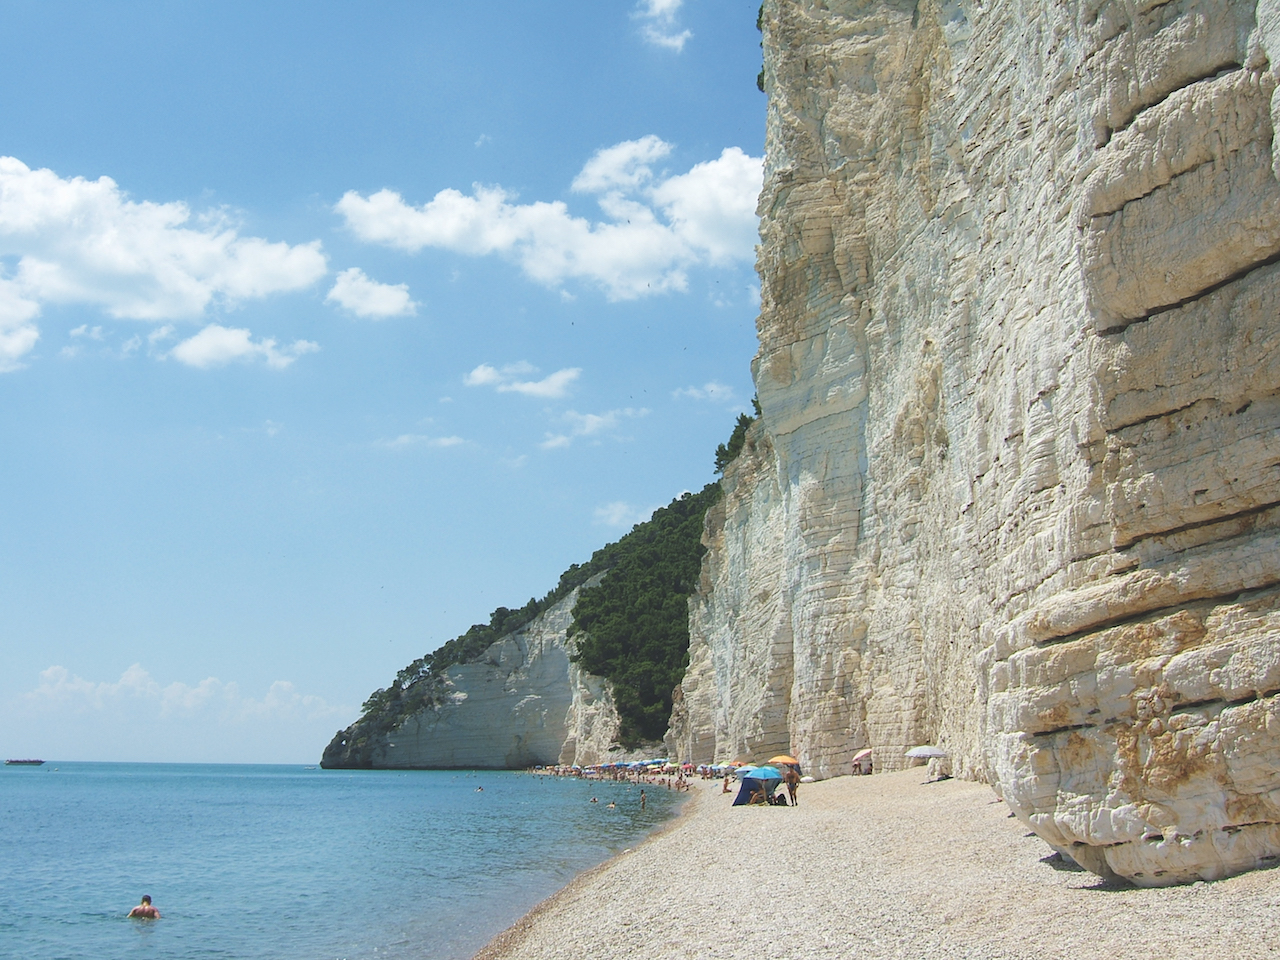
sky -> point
(325, 329)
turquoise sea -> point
(289, 862)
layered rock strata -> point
(520, 703)
(1015, 486)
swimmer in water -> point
(144, 910)
(612, 805)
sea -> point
(292, 862)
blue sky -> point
(325, 329)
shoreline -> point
(509, 940)
(886, 866)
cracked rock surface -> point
(1016, 487)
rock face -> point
(1015, 487)
(522, 702)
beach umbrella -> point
(863, 754)
(765, 773)
(783, 758)
(926, 752)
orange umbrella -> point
(783, 758)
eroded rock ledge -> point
(1016, 488)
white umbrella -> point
(926, 752)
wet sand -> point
(883, 866)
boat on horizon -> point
(23, 763)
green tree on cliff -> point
(633, 627)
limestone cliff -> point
(1014, 490)
(522, 702)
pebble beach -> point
(881, 866)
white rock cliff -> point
(523, 702)
(1015, 487)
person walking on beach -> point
(792, 780)
(144, 910)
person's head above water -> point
(146, 898)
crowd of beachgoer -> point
(671, 776)
(668, 776)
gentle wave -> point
(291, 863)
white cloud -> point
(660, 9)
(84, 241)
(715, 392)
(217, 345)
(656, 227)
(18, 334)
(586, 424)
(138, 692)
(135, 716)
(589, 424)
(369, 298)
(486, 376)
(419, 440)
(667, 38)
(660, 26)
(551, 387)
(622, 514)
(82, 335)
(624, 166)
(81, 241)
(712, 208)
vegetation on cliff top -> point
(632, 628)
(760, 27)
(726, 453)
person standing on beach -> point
(792, 780)
(144, 910)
